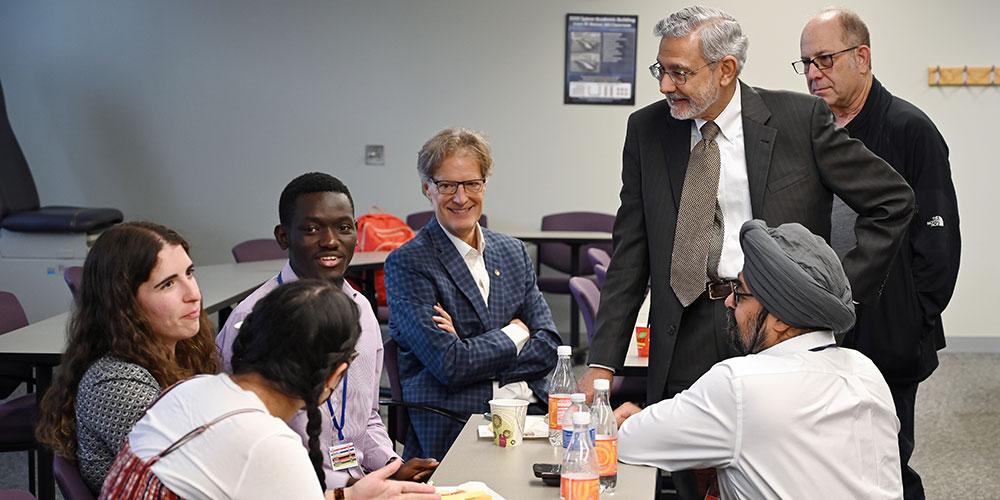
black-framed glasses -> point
(822, 61)
(449, 188)
(678, 77)
(737, 294)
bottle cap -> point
(602, 384)
(581, 418)
(564, 350)
(578, 397)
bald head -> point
(835, 47)
(853, 31)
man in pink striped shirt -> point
(317, 228)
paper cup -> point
(508, 421)
(642, 341)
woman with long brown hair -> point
(137, 327)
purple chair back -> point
(12, 317)
(12, 314)
(600, 272)
(17, 423)
(258, 249)
(556, 255)
(73, 275)
(417, 220)
(69, 480)
(598, 255)
(587, 297)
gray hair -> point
(720, 34)
(445, 143)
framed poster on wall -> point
(600, 59)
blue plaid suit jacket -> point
(457, 372)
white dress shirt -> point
(734, 188)
(518, 335)
(785, 423)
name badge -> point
(343, 456)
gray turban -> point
(797, 276)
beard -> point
(697, 102)
(751, 342)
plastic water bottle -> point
(606, 442)
(579, 473)
(578, 402)
(561, 384)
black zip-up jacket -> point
(902, 331)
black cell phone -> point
(548, 473)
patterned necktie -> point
(695, 219)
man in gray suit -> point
(716, 154)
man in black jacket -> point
(901, 332)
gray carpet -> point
(958, 431)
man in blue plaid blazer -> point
(464, 305)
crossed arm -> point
(425, 327)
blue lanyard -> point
(343, 409)
(280, 281)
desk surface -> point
(562, 236)
(221, 285)
(475, 459)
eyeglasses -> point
(678, 77)
(737, 294)
(449, 188)
(822, 61)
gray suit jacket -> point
(796, 160)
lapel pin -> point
(496, 272)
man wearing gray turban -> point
(796, 416)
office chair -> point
(18, 415)
(398, 426)
(69, 480)
(258, 249)
(600, 273)
(588, 297)
(13, 375)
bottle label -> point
(579, 489)
(568, 433)
(607, 456)
(558, 404)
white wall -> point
(196, 113)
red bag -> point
(381, 232)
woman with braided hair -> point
(225, 436)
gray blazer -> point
(796, 160)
